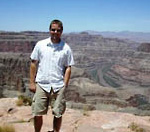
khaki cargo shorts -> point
(43, 99)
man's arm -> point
(33, 70)
(67, 75)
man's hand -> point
(32, 87)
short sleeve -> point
(70, 59)
(35, 53)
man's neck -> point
(55, 42)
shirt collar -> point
(51, 44)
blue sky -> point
(76, 15)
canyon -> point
(109, 74)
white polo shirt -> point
(52, 58)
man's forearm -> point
(33, 70)
(67, 75)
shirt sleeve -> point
(70, 59)
(35, 53)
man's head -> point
(58, 22)
(56, 29)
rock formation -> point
(20, 118)
(108, 71)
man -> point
(50, 70)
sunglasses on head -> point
(56, 30)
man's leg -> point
(38, 121)
(58, 104)
(39, 107)
(57, 124)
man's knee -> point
(38, 117)
(38, 120)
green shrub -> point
(86, 110)
(23, 100)
(140, 130)
(7, 128)
(135, 128)
(19, 102)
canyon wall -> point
(107, 70)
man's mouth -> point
(54, 37)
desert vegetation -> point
(7, 128)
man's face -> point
(55, 33)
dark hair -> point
(60, 24)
